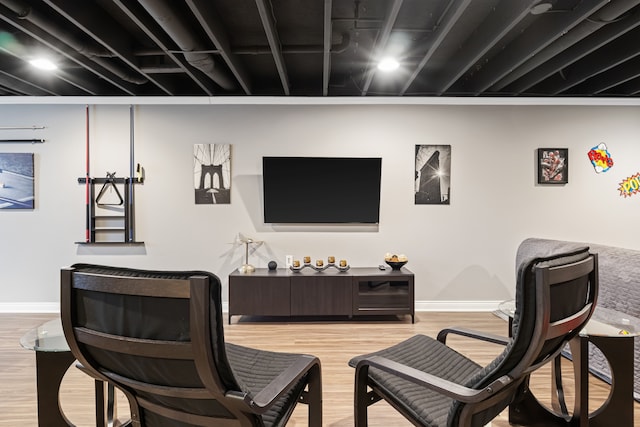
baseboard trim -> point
(457, 305)
(29, 307)
(460, 306)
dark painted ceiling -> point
(575, 48)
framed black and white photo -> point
(16, 181)
(212, 173)
(433, 175)
(553, 165)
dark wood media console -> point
(356, 292)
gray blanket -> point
(619, 273)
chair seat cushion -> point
(255, 369)
(427, 355)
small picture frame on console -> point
(553, 165)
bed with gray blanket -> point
(619, 273)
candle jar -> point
(343, 263)
(331, 259)
(319, 263)
(307, 259)
(296, 263)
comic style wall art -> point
(553, 165)
(600, 158)
(630, 185)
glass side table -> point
(53, 359)
(612, 332)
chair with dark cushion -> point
(158, 337)
(433, 385)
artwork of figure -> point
(433, 174)
(553, 166)
(212, 173)
(16, 181)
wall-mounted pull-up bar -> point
(21, 127)
(32, 141)
(21, 140)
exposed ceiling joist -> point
(266, 16)
(496, 25)
(210, 22)
(327, 30)
(15, 85)
(588, 29)
(136, 17)
(381, 43)
(613, 77)
(20, 18)
(527, 45)
(618, 52)
(99, 28)
(452, 15)
(448, 48)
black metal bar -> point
(32, 141)
(21, 127)
(88, 192)
(127, 213)
(104, 180)
(91, 213)
(129, 206)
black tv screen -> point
(321, 189)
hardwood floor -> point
(334, 342)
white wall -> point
(461, 252)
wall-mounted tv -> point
(314, 190)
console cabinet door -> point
(321, 294)
(260, 296)
(380, 295)
(392, 293)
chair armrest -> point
(442, 386)
(492, 338)
(264, 399)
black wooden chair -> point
(433, 385)
(158, 337)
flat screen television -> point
(315, 190)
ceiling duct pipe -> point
(179, 31)
(95, 54)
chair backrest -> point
(157, 336)
(555, 297)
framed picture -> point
(553, 165)
(16, 181)
(212, 173)
(432, 175)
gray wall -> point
(462, 254)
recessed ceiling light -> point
(43, 64)
(388, 64)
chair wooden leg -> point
(134, 421)
(314, 396)
(361, 398)
(106, 408)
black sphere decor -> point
(272, 265)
